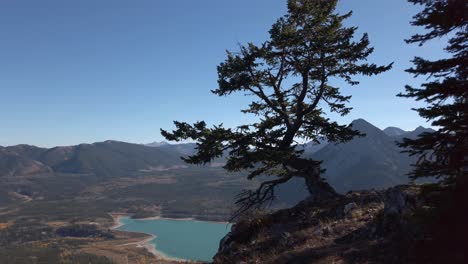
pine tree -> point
(289, 78)
(444, 153)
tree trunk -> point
(319, 188)
(310, 171)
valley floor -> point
(39, 243)
(33, 208)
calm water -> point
(184, 239)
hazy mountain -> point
(184, 149)
(399, 133)
(156, 144)
(14, 164)
(312, 147)
(372, 161)
(415, 133)
(109, 158)
(366, 162)
(112, 158)
(29, 151)
(187, 149)
(394, 131)
(21, 160)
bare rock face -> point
(400, 202)
(348, 208)
(399, 199)
(353, 228)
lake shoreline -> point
(145, 243)
(201, 219)
(178, 219)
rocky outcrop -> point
(358, 227)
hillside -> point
(372, 161)
(14, 163)
(126, 173)
(112, 158)
(119, 176)
(394, 131)
(415, 133)
(104, 159)
(341, 230)
(393, 226)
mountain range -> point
(104, 159)
(372, 161)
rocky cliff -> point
(391, 226)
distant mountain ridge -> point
(394, 131)
(12, 163)
(415, 133)
(109, 158)
(373, 161)
(157, 144)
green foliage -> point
(442, 153)
(289, 77)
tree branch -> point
(264, 193)
(260, 93)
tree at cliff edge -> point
(443, 153)
(289, 78)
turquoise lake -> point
(183, 239)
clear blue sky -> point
(85, 71)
